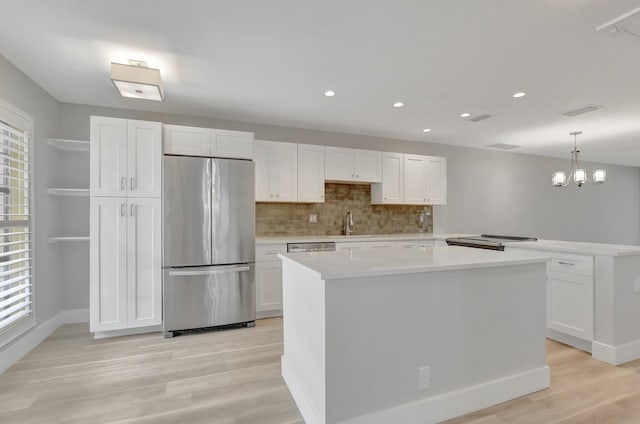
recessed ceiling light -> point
(329, 93)
(398, 104)
(465, 115)
(519, 94)
(426, 130)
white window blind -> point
(16, 296)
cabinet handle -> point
(123, 209)
(271, 195)
(277, 195)
(133, 183)
(270, 253)
(132, 209)
(123, 182)
(357, 175)
(566, 263)
(322, 196)
(353, 175)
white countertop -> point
(598, 249)
(352, 239)
(368, 263)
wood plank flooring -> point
(233, 377)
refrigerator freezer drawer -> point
(208, 296)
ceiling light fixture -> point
(577, 174)
(137, 81)
(426, 130)
(398, 104)
(465, 115)
(329, 93)
(519, 94)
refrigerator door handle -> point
(214, 272)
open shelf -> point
(61, 239)
(80, 192)
(72, 145)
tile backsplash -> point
(275, 219)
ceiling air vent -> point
(479, 118)
(503, 146)
(581, 111)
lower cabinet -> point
(269, 280)
(125, 263)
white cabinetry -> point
(353, 165)
(269, 280)
(196, 141)
(310, 173)
(125, 263)
(125, 157)
(391, 189)
(436, 180)
(276, 171)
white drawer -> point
(376, 245)
(408, 244)
(351, 246)
(269, 252)
(572, 264)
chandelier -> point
(577, 174)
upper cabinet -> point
(276, 171)
(125, 157)
(310, 173)
(195, 141)
(411, 180)
(352, 165)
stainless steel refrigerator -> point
(208, 243)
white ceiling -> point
(271, 61)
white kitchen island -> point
(363, 329)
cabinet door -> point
(261, 157)
(367, 166)
(144, 267)
(570, 304)
(338, 164)
(310, 173)
(108, 156)
(193, 141)
(108, 264)
(436, 180)
(268, 286)
(391, 190)
(283, 172)
(415, 179)
(351, 246)
(232, 144)
(144, 159)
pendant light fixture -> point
(577, 174)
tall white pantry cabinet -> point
(125, 224)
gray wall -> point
(17, 89)
(489, 191)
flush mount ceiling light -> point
(398, 104)
(137, 81)
(577, 174)
(329, 93)
(465, 115)
(519, 94)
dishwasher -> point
(325, 246)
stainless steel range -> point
(486, 241)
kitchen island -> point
(411, 335)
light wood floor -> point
(233, 377)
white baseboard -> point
(309, 413)
(126, 332)
(570, 340)
(74, 316)
(454, 404)
(616, 355)
(25, 343)
(268, 314)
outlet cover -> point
(424, 378)
(313, 218)
(636, 285)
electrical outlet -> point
(424, 378)
(636, 285)
(313, 218)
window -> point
(16, 296)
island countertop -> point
(367, 263)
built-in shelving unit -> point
(74, 192)
(71, 145)
(65, 239)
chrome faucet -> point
(348, 224)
